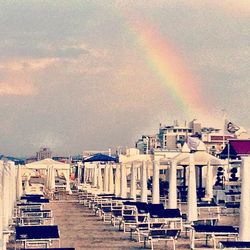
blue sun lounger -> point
(37, 235)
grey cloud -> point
(101, 92)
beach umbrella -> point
(79, 166)
(144, 187)
(172, 196)
(117, 180)
(1, 200)
(6, 195)
(156, 183)
(245, 200)
(99, 178)
(133, 182)
(19, 186)
(209, 182)
(94, 176)
(47, 178)
(106, 179)
(192, 195)
(123, 181)
(67, 174)
(111, 180)
(52, 178)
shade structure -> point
(156, 183)
(106, 179)
(209, 182)
(52, 182)
(123, 185)
(111, 187)
(133, 182)
(192, 195)
(94, 183)
(99, 178)
(144, 187)
(19, 185)
(201, 158)
(1, 202)
(117, 180)
(47, 178)
(43, 164)
(66, 175)
(172, 197)
(6, 195)
(79, 167)
(100, 158)
(245, 200)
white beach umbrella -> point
(133, 182)
(1, 201)
(94, 176)
(117, 180)
(99, 178)
(172, 196)
(48, 177)
(192, 195)
(209, 182)
(106, 179)
(52, 178)
(19, 186)
(111, 188)
(156, 183)
(123, 181)
(245, 200)
(6, 196)
(67, 175)
(144, 186)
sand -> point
(80, 228)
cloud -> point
(28, 64)
(22, 89)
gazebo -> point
(201, 159)
(48, 166)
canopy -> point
(201, 158)
(44, 164)
(235, 149)
(14, 159)
(101, 158)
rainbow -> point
(165, 61)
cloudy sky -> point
(79, 75)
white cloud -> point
(17, 89)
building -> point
(215, 143)
(43, 153)
(235, 149)
(173, 137)
(148, 143)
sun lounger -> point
(231, 208)
(61, 248)
(133, 213)
(214, 233)
(155, 235)
(158, 219)
(232, 245)
(209, 212)
(37, 235)
(34, 221)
